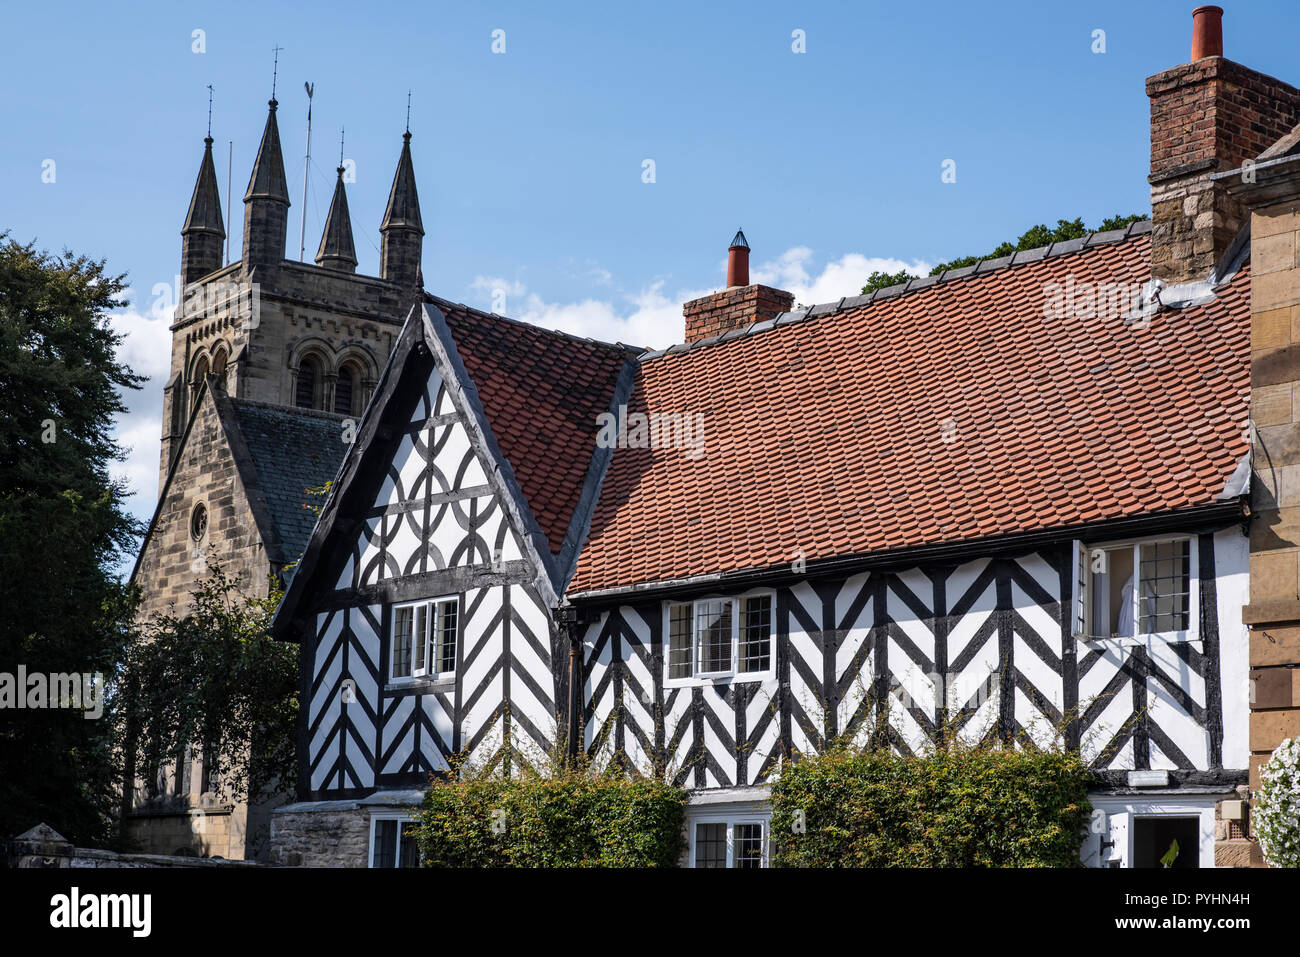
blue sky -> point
(529, 163)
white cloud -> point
(650, 317)
(490, 286)
(645, 318)
(843, 277)
(148, 345)
(147, 351)
(141, 435)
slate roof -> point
(542, 392)
(291, 450)
(949, 411)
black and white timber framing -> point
(981, 649)
(976, 641)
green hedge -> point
(569, 820)
(962, 808)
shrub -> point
(1277, 806)
(570, 819)
(956, 808)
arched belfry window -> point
(309, 376)
(219, 363)
(345, 390)
(200, 373)
(178, 396)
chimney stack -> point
(739, 305)
(1207, 116)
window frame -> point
(433, 619)
(732, 821)
(403, 820)
(733, 672)
(1082, 582)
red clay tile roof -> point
(827, 435)
(542, 392)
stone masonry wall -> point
(1206, 116)
(1274, 610)
(321, 838)
(173, 559)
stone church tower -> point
(283, 332)
(273, 362)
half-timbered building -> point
(1009, 503)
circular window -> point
(199, 522)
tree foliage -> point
(63, 529)
(1032, 238)
(883, 280)
(214, 677)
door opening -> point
(1172, 842)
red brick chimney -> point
(739, 305)
(1206, 116)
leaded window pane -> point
(713, 621)
(710, 845)
(1165, 601)
(408, 854)
(447, 615)
(756, 634)
(385, 843)
(679, 641)
(419, 638)
(403, 624)
(747, 845)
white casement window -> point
(735, 842)
(424, 638)
(1135, 590)
(392, 842)
(720, 638)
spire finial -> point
(275, 69)
(336, 248)
(209, 111)
(408, 111)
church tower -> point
(277, 331)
